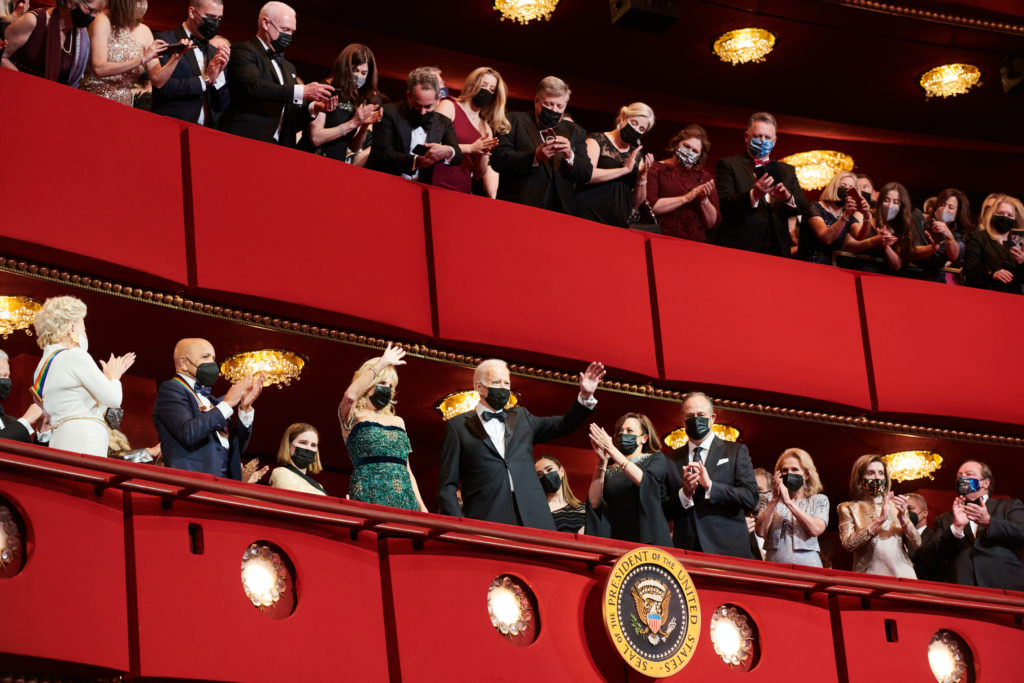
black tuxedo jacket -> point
(926, 571)
(257, 99)
(188, 436)
(715, 523)
(392, 137)
(13, 430)
(469, 454)
(765, 228)
(550, 185)
(992, 559)
(182, 97)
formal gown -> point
(293, 479)
(609, 202)
(570, 519)
(629, 512)
(673, 180)
(885, 553)
(335, 149)
(459, 177)
(787, 541)
(813, 249)
(121, 47)
(380, 455)
(76, 395)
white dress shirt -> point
(217, 84)
(244, 416)
(705, 447)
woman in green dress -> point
(375, 437)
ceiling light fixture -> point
(814, 169)
(744, 45)
(677, 438)
(278, 367)
(950, 80)
(17, 313)
(525, 11)
(908, 465)
(464, 401)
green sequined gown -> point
(380, 455)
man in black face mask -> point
(267, 101)
(491, 450)
(710, 490)
(411, 137)
(543, 157)
(20, 428)
(197, 433)
(197, 91)
(52, 42)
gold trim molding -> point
(933, 16)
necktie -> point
(696, 454)
(500, 415)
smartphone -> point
(1016, 238)
(176, 47)
(548, 134)
(420, 150)
(771, 168)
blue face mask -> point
(966, 486)
(759, 148)
(360, 81)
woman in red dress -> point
(681, 191)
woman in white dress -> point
(74, 392)
(297, 458)
(875, 526)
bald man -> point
(267, 101)
(197, 433)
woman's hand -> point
(781, 493)
(155, 48)
(850, 207)
(1003, 275)
(483, 145)
(115, 366)
(940, 228)
(252, 472)
(367, 114)
(1018, 254)
(392, 356)
(902, 511)
(633, 159)
(645, 165)
(601, 438)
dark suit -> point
(992, 559)
(925, 570)
(715, 523)
(469, 454)
(188, 435)
(13, 430)
(258, 98)
(765, 228)
(548, 185)
(390, 151)
(183, 96)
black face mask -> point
(5, 387)
(420, 120)
(208, 27)
(80, 19)
(113, 417)
(793, 481)
(697, 427)
(874, 487)
(548, 118)
(914, 519)
(497, 397)
(627, 443)
(206, 373)
(629, 134)
(303, 457)
(281, 43)
(483, 98)
(1003, 224)
(381, 396)
(551, 482)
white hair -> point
(481, 370)
(56, 318)
(3, 355)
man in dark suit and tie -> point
(709, 494)
(267, 102)
(15, 428)
(758, 196)
(197, 91)
(411, 137)
(543, 157)
(196, 433)
(490, 450)
(981, 538)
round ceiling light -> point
(814, 169)
(464, 401)
(266, 579)
(908, 465)
(677, 438)
(950, 80)
(950, 658)
(511, 610)
(525, 11)
(744, 45)
(277, 366)
(734, 636)
(17, 313)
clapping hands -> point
(115, 366)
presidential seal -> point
(651, 612)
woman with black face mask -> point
(297, 458)
(993, 253)
(569, 513)
(797, 512)
(875, 526)
(375, 437)
(625, 494)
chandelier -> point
(816, 168)
(907, 465)
(950, 80)
(464, 401)
(677, 438)
(278, 367)
(17, 313)
(525, 11)
(744, 45)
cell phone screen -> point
(548, 134)
(174, 47)
(419, 150)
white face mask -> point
(687, 157)
(891, 212)
(948, 216)
(83, 340)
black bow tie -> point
(276, 56)
(500, 415)
(204, 391)
(203, 45)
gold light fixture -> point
(744, 45)
(508, 606)
(734, 636)
(950, 80)
(464, 401)
(525, 11)
(278, 367)
(908, 465)
(17, 313)
(10, 540)
(816, 168)
(263, 575)
(949, 658)
(677, 438)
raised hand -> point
(254, 392)
(977, 514)
(781, 492)
(153, 49)
(902, 511)
(250, 473)
(484, 144)
(393, 356)
(600, 439)
(960, 518)
(632, 160)
(691, 479)
(317, 92)
(115, 366)
(238, 391)
(590, 378)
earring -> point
(75, 340)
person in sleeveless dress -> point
(346, 130)
(375, 436)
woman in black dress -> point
(992, 260)
(338, 133)
(626, 492)
(569, 513)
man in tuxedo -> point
(196, 433)
(709, 493)
(267, 102)
(411, 137)
(197, 91)
(491, 450)
(917, 509)
(981, 538)
(543, 157)
(15, 428)
(758, 195)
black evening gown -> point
(631, 513)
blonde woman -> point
(298, 456)
(991, 259)
(875, 526)
(797, 513)
(840, 219)
(619, 181)
(74, 392)
(478, 115)
(375, 436)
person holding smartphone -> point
(994, 257)
(840, 219)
